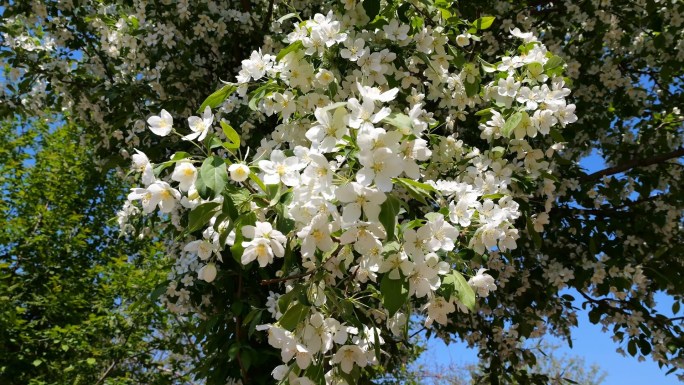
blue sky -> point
(589, 342)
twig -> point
(104, 375)
(269, 15)
(634, 163)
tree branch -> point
(246, 5)
(607, 211)
(269, 15)
(634, 163)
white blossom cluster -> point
(350, 143)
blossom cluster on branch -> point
(361, 204)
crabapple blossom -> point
(365, 185)
(239, 172)
(161, 125)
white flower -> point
(266, 242)
(257, 65)
(325, 77)
(415, 242)
(281, 169)
(353, 49)
(380, 165)
(463, 39)
(438, 308)
(186, 174)
(207, 272)
(375, 94)
(364, 235)
(145, 198)
(508, 87)
(161, 125)
(443, 234)
(396, 32)
(357, 197)
(362, 116)
(239, 172)
(566, 115)
(316, 236)
(482, 283)
(285, 104)
(272, 305)
(347, 356)
(329, 130)
(259, 249)
(425, 277)
(142, 164)
(527, 37)
(280, 372)
(202, 248)
(200, 126)
(540, 221)
(461, 213)
(395, 263)
(162, 194)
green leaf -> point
(553, 62)
(535, 69)
(214, 100)
(287, 298)
(487, 67)
(497, 152)
(376, 345)
(632, 348)
(202, 189)
(401, 12)
(372, 8)
(200, 216)
(259, 93)
(424, 187)
(485, 112)
(557, 136)
(394, 293)
(454, 284)
(400, 121)
(258, 181)
(388, 215)
(293, 316)
(180, 155)
(37, 362)
(426, 59)
(232, 136)
(472, 88)
(159, 290)
(91, 361)
(214, 174)
(511, 123)
(484, 22)
(419, 191)
(296, 46)
(287, 17)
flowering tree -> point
(374, 161)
